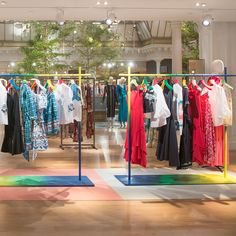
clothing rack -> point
(174, 179)
(86, 145)
(51, 181)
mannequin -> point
(110, 92)
(217, 67)
(122, 98)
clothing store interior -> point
(117, 117)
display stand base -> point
(178, 179)
(45, 181)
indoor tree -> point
(95, 44)
(190, 42)
(43, 52)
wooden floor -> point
(95, 218)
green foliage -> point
(95, 45)
(190, 41)
(43, 52)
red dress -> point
(209, 131)
(195, 113)
(138, 136)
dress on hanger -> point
(110, 92)
(195, 112)
(51, 119)
(13, 140)
(167, 147)
(64, 95)
(39, 138)
(29, 114)
(138, 136)
(185, 152)
(122, 98)
(161, 110)
(208, 130)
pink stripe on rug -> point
(101, 191)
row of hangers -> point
(11, 84)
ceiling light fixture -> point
(203, 4)
(197, 4)
(105, 3)
(98, 3)
(207, 20)
(3, 3)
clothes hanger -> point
(37, 83)
(12, 83)
(184, 83)
(204, 84)
(227, 85)
(134, 82)
(5, 82)
(49, 84)
(168, 85)
(194, 83)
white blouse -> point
(161, 110)
(64, 95)
(219, 104)
(3, 105)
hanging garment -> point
(64, 95)
(167, 147)
(219, 137)
(208, 130)
(219, 105)
(138, 136)
(39, 138)
(185, 152)
(122, 98)
(195, 112)
(161, 110)
(29, 114)
(110, 92)
(228, 121)
(77, 101)
(149, 99)
(178, 105)
(13, 140)
(90, 115)
(51, 119)
(3, 105)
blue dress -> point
(122, 95)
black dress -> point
(185, 153)
(167, 147)
(13, 141)
(110, 92)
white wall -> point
(219, 42)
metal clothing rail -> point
(51, 181)
(177, 179)
(93, 144)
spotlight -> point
(12, 64)
(121, 64)
(111, 17)
(98, 3)
(197, 4)
(105, 3)
(131, 64)
(207, 20)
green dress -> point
(122, 98)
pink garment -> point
(219, 161)
(195, 113)
(138, 136)
(209, 131)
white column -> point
(176, 47)
(206, 46)
(158, 63)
